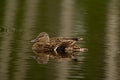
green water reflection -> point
(23, 20)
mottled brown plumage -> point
(55, 48)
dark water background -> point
(98, 21)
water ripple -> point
(112, 40)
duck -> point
(46, 48)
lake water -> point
(97, 21)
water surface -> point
(97, 21)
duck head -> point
(43, 37)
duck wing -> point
(66, 40)
(72, 38)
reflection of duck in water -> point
(56, 48)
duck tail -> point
(81, 50)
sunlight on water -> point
(66, 24)
(112, 40)
(28, 24)
(67, 17)
(5, 46)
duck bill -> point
(34, 40)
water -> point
(95, 20)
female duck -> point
(58, 47)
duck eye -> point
(41, 36)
